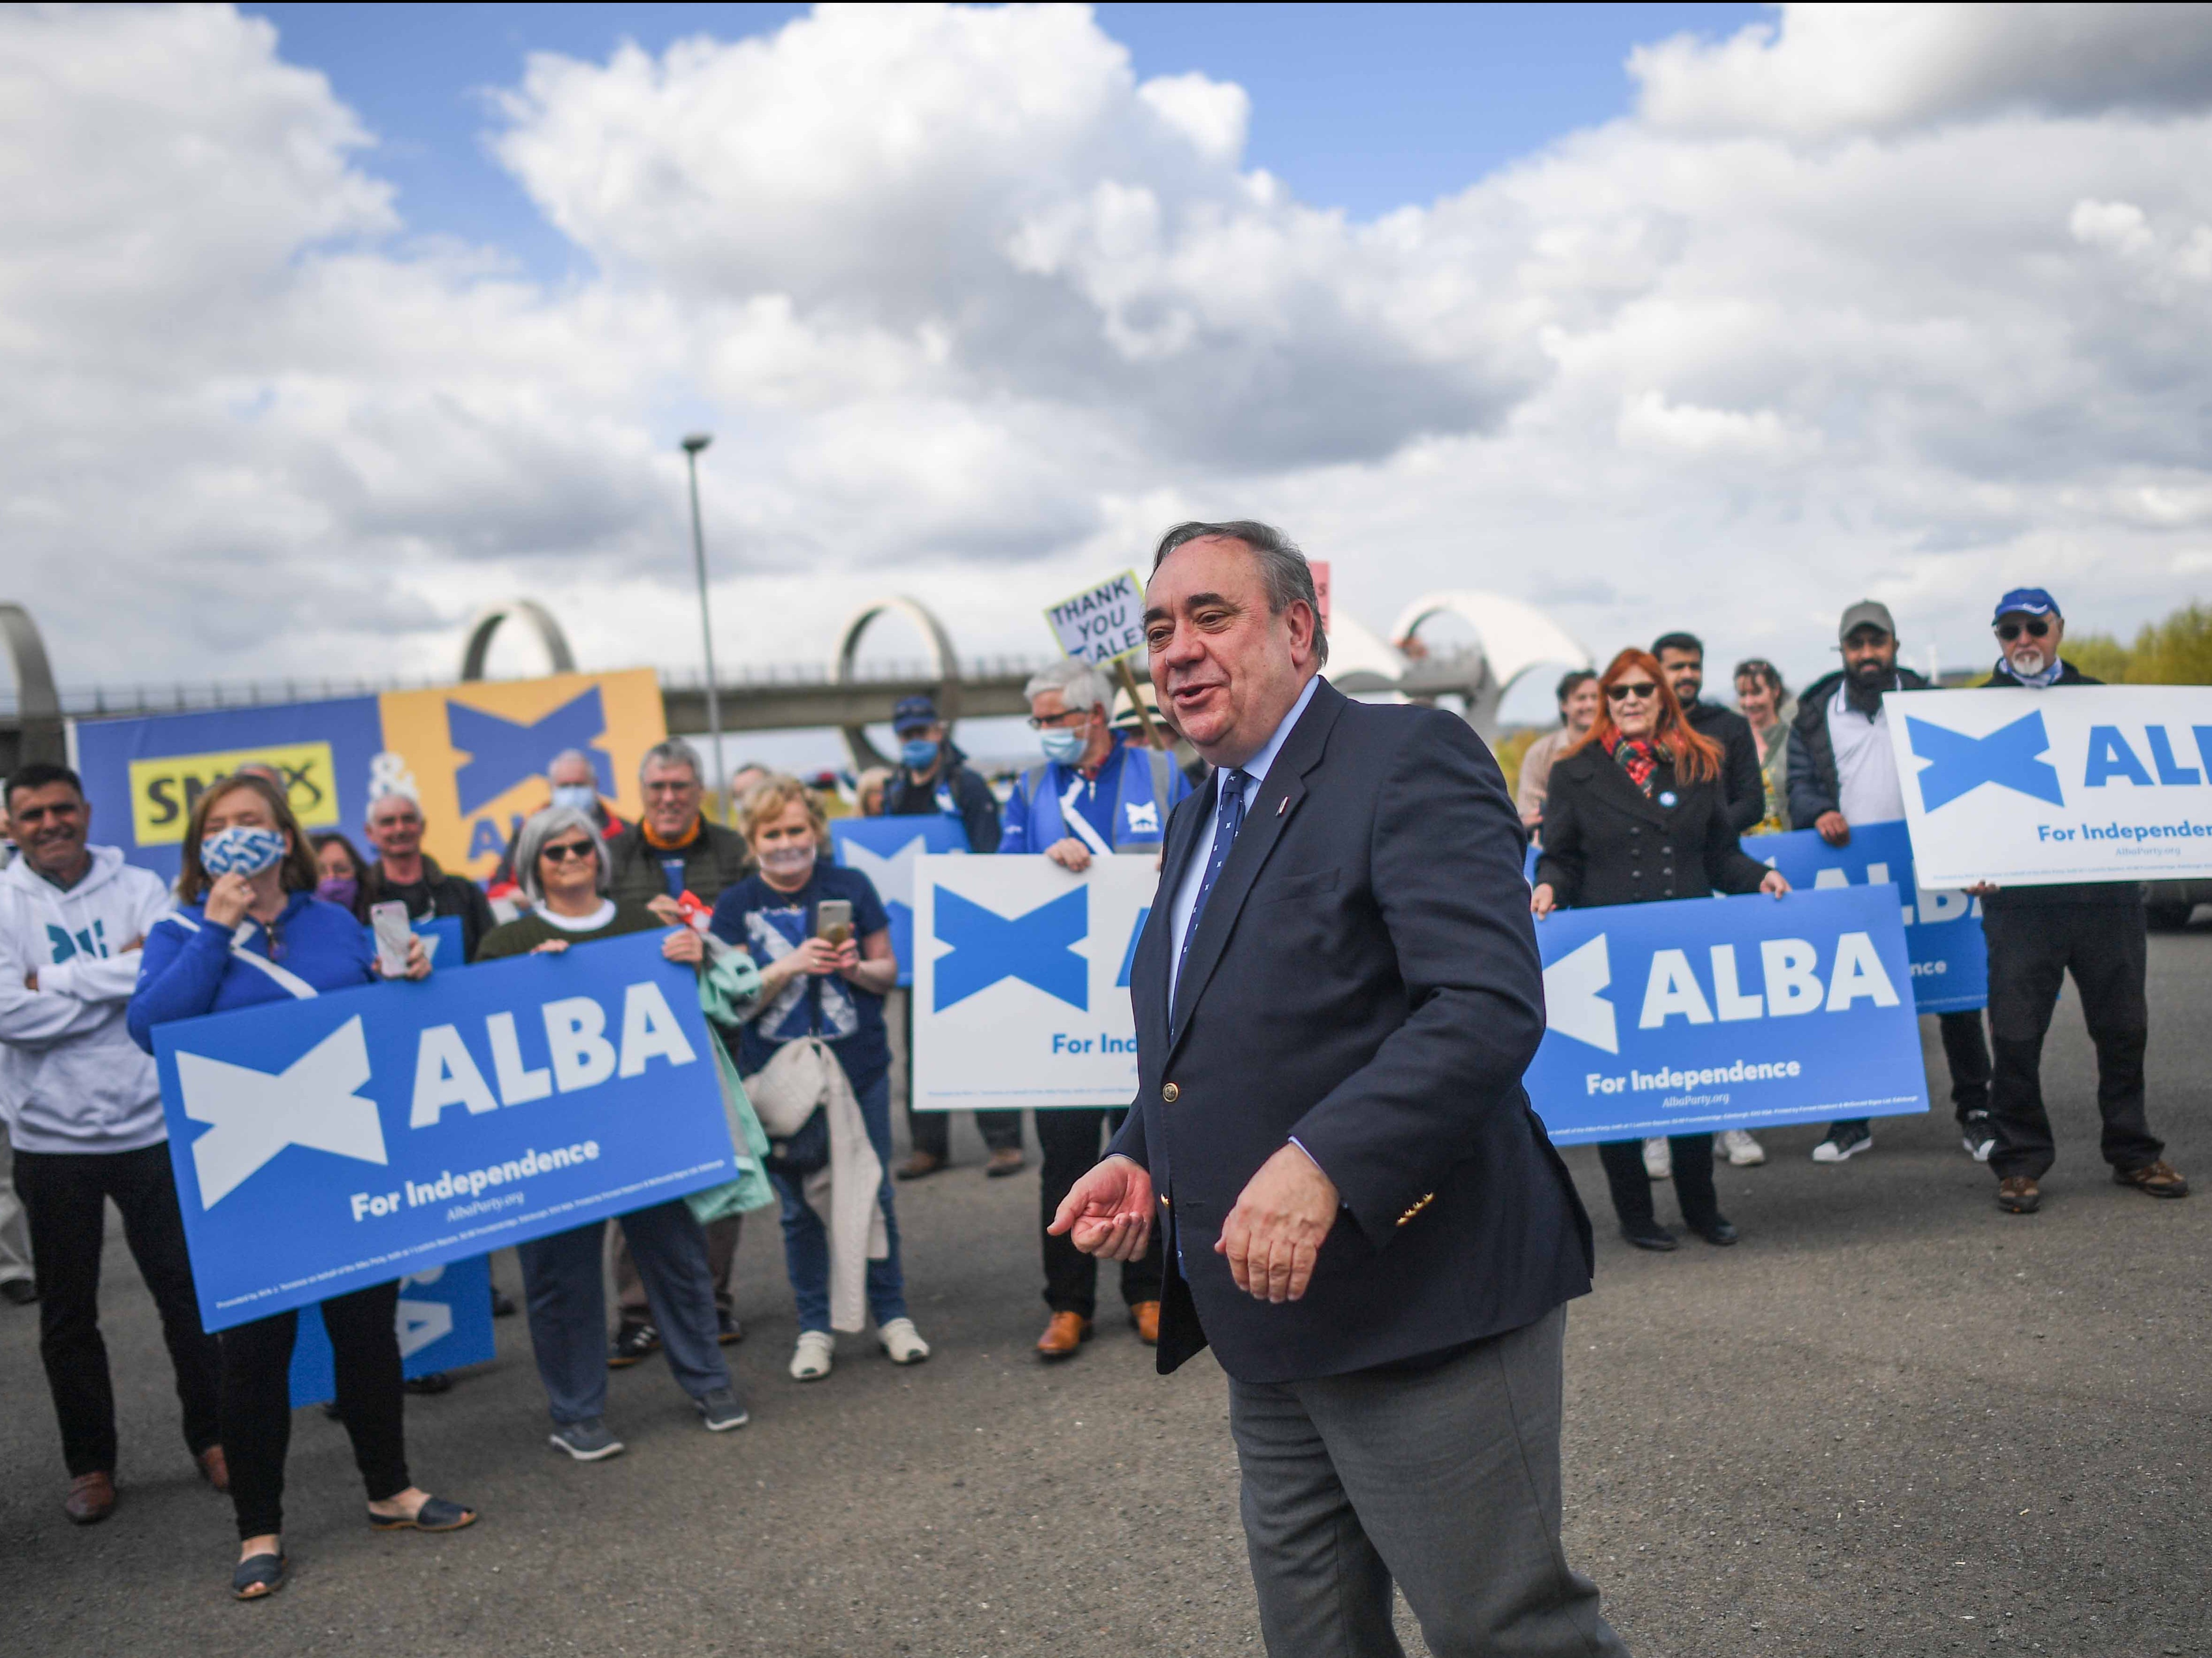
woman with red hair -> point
(1635, 814)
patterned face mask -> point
(239, 850)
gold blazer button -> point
(1170, 1092)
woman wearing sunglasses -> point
(1635, 814)
(563, 865)
(248, 929)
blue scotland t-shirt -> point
(755, 916)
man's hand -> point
(1274, 1233)
(1774, 883)
(1070, 854)
(1109, 1211)
(1833, 827)
(1981, 889)
(1542, 900)
(666, 908)
(418, 965)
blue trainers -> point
(587, 1441)
(722, 1410)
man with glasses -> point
(675, 861)
(1843, 771)
(2094, 930)
(1094, 795)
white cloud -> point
(1910, 302)
(1837, 68)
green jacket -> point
(713, 859)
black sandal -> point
(436, 1514)
(259, 1576)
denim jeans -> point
(806, 1240)
(562, 1278)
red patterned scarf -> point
(1638, 756)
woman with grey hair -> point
(562, 866)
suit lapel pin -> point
(1283, 806)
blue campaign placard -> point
(1683, 1017)
(1942, 929)
(443, 1322)
(331, 1143)
(884, 849)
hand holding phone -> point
(833, 920)
(389, 921)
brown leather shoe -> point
(215, 1467)
(918, 1164)
(91, 1498)
(1004, 1162)
(2017, 1194)
(1146, 1315)
(1064, 1336)
(2158, 1179)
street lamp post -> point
(692, 445)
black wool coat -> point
(1605, 843)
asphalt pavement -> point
(1893, 1420)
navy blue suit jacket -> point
(1365, 977)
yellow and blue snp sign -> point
(474, 755)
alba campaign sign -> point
(884, 849)
(1683, 1017)
(1021, 981)
(348, 1139)
(2028, 788)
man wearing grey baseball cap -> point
(1842, 772)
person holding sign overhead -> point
(248, 929)
(1636, 816)
(1094, 795)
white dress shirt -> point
(1186, 897)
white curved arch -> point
(1514, 636)
(942, 660)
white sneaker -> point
(1658, 1160)
(1843, 1144)
(902, 1343)
(1741, 1150)
(811, 1359)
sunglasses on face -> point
(565, 850)
(2012, 630)
(1640, 689)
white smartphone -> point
(389, 921)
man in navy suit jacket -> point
(1336, 994)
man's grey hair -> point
(368, 815)
(542, 827)
(1282, 566)
(1080, 685)
(580, 757)
(674, 752)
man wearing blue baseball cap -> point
(2093, 929)
(933, 776)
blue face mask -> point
(918, 753)
(239, 850)
(1065, 746)
(576, 796)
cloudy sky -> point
(321, 327)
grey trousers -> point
(564, 1287)
(14, 1231)
(1445, 1479)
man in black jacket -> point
(1843, 771)
(1743, 785)
(933, 777)
(402, 874)
(2094, 930)
(1336, 993)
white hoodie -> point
(71, 1080)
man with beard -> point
(1843, 771)
(2037, 935)
(1682, 658)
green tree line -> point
(2175, 651)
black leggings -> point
(257, 1402)
(1692, 1157)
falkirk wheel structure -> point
(1510, 639)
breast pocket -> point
(1285, 888)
